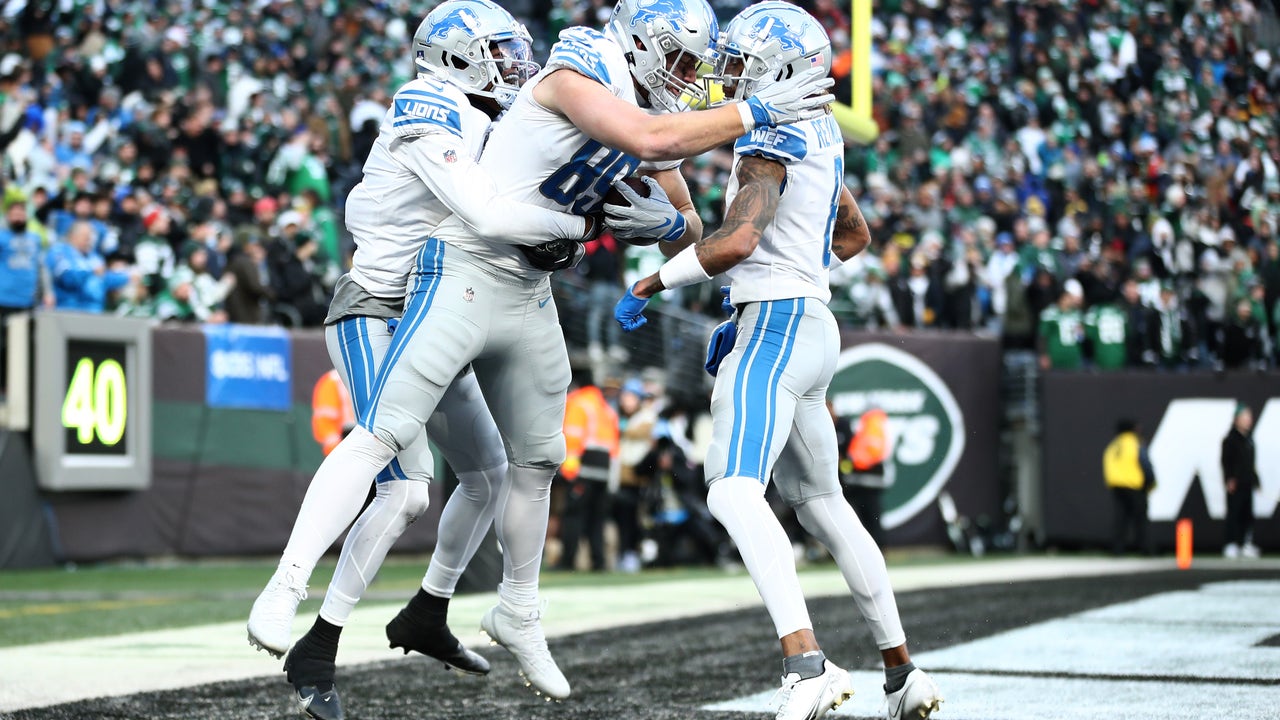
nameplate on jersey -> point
(784, 144)
(418, 112)
(575, 52)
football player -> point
(472, 56)
(788, 214)
(602, 105)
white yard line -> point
(58, 672)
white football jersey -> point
(795, 249)
(539, 157)
(391, 212)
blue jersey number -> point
(835, 209)
(582, 183)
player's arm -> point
(440, 160)
(620, 125)
(677, 190)
(851, 235)
(759, 188)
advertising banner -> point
(1184, 418)
(942, 395)
(248, 367)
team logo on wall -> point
(926, 429)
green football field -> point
(109, 599)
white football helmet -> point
(665, 40)
(478, 46)
(766, 43)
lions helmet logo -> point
(770, 28)
(648, 11)
(458, 18)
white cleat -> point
(812, 698)
(271, 619)
(1250, 551)
(917, 698)
(1231, 551)
(521, 635)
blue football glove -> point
(721, 344)
(803, 97)
(726, 304)
(629, 312)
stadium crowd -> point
(189, 161)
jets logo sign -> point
(926, 430)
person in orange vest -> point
(591, 455)
(867, 471)
(332, 414)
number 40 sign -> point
(95, 405)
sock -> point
(521, 524)
(833, 522)
(335, 497)
(325, 633)
(315, 666)
(464, 523)
(738, 504)
(395, 506)
(896, 677)
(427, 606)
(808, 665)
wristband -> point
(747, 112)
(683, 269)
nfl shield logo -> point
(468, 294)
(450, 156)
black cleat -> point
(409, 632)
(319, 705)
(310, 669)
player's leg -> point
(808, 479)
(751, 408)
(465, 434)
(525, 383)
(356, 347)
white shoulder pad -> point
(426, 105)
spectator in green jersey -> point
(1060, 330)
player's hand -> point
(646, 218)
(805, 97)
(726, 304)
(554, 254)
(629, 312)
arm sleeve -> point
(64, 274)
(1228, 460)
(115, 280)
(440, 160)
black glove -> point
(554, 254)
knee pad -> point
(413, 498)
(724, 493)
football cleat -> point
(310, 669)
(917, 698)
(521, 635)
(811, 698)
(408, 632)
(271, 619)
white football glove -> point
(782, 103)
(646, 218)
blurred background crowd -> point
(1095, 181)
(189, 161)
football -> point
(613, 197)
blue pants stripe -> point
(755, 389)
(794, 313)
(357, 355)
(427, 280)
